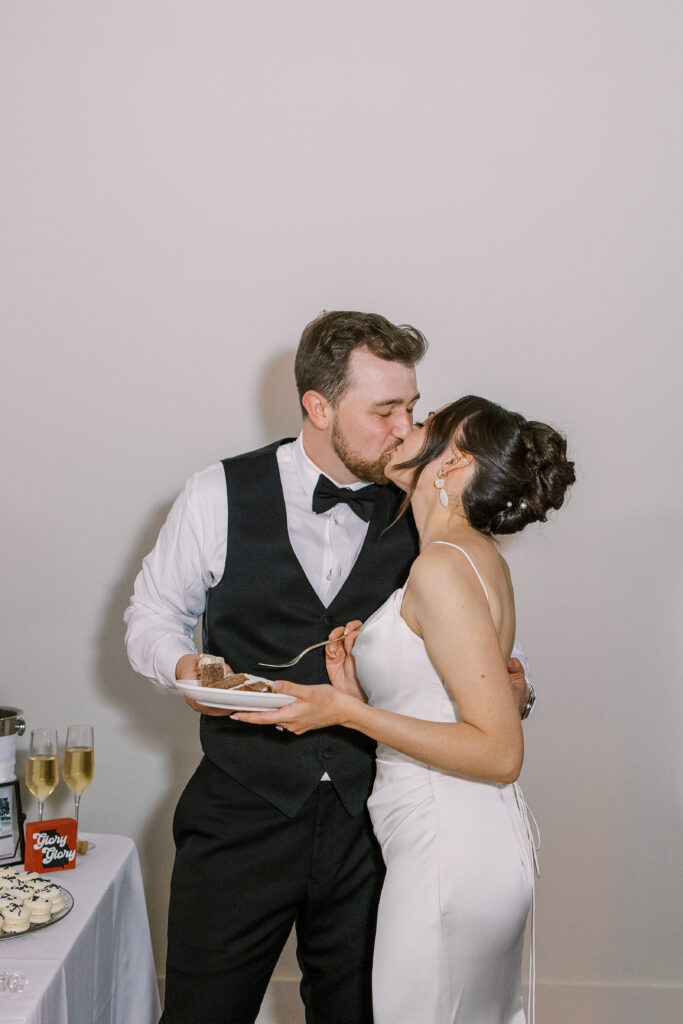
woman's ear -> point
(457, 459)
(318, 408)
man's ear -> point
(318, 408)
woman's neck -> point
(433, 521)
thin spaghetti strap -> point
(458, 548)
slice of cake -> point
(211, 670)
(241, 681)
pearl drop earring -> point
(440, 484)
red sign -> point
(50, 845)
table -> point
(95, 966)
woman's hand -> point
(341, 667)
(314, 708)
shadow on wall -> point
(279, 408)
(156, 725)
(155, 721)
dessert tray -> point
(57, 916)
(236, 700)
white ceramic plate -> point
(237, 700)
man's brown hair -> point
(326, 344)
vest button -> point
(327, 755)
(327, 619)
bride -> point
(426, 678)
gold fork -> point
(288, 664)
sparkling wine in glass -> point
(79, 762)
(42, 767)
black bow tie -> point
(326, 495)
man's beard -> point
(364, 469)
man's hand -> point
(188, 668)
(517, 681)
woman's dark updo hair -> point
(521, 467)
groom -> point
(275, 548)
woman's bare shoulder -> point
(471, 547)
(442, 565)
(460, 567)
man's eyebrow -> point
(397, 401)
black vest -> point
(264, 609)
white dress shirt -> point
(189, 558)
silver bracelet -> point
(526, 711)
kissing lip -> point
(389, 457)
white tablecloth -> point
(95, 966)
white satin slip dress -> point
(459, 855)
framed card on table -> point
(11, 824)
(50, 845)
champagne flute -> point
(79, 762)
(42, 767)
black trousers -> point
(244, 874)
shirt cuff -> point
(166, 661)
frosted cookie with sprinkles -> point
(39, 907)
(54, 894)
(28, 876)
(40, 883)
(20, 890)
(15, 918)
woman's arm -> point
(450, 612)
(446, 605)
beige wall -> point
(184, 185)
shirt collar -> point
(308, 473)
